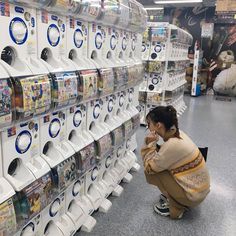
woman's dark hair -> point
(166, 115)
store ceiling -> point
(150, 3)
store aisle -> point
(208, 122)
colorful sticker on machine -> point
(44, 17)
(5, 102)
(7, 218)
(5, 9)
(36, 94)
(65, 88)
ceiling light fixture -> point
(176, 1)
(153, 8)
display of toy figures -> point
(70, 73)
(165, 51)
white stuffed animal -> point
(225, 82)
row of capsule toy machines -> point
(70, 72)
(165, 54)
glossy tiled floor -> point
(208, 122)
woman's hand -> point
(151, 137)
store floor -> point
(208, 122)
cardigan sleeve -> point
(157, 161)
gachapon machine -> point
(64, 88)
(106, 81)
(32, 96)
(88, 84)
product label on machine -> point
(106, 81)
(88, 84)
(36, 92)
(121, 76)
(87, 158)
(159, 34)
(65, 88)
(5, 102)
(128, 127)
(66, 173)
(5, 9)
(132, 75)
(44, 17)
(117, 136)
(7, 218)
(136, 122)
(104, 145)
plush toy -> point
(225, 82)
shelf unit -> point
(165, 55)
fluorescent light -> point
(176, 1)
(154, 8)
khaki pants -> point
(178, 201)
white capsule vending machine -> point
(54, 219)
(51, 33)
(21, 155)
(159, 41)
(77, 209)
(18, 48)
(110, 17)
(77, 43)
(77, 134)
(95, 123)
(55, 148)
(93, 197)
(123, 25)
